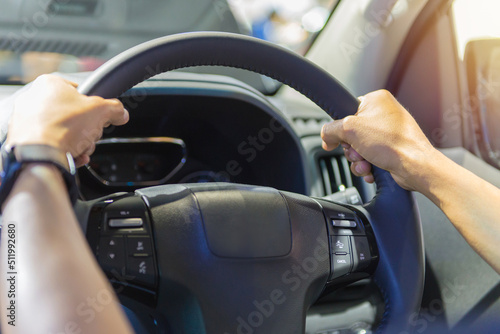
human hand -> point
(382, 133)
(53, 112)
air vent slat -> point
(346, 171)
(326, 177)
(335, 173)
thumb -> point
(117, 114)
(332, 134)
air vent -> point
(75, 48)
(335, 173)
(310, 124)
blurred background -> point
(39, 37)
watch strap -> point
(15, 157)
(44, 153)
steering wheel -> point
(229, 258)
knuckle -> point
(349, 125)
(90, 149)
(115, 103)
(96, 100)
(349, 156)
(382, 94)
(44, 78)
(324, 130)
(112, 107)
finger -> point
(361, 168)
(117, 114)
(345, 146)
(332, 134)
(369, 178)
(352, 155)
(71, 83)
(90, 149)
(326, 147)
(363, 102)
(82, 160)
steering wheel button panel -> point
(120, 233)
(125, 222)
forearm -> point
(59, 286)
(471, 204)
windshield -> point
(45, 36)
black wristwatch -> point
(15, 157)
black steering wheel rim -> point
(400, 272)
(221, 49)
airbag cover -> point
(245, 222)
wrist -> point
(417, 166)
(36, 178)
(428, 171)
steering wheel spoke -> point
(242, 258)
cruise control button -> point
(341, 265)
(340, 244)
(112, 255)
(141, 270)
(361, 253)
(139, 246)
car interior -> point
(210, 210)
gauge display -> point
(137, 161)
